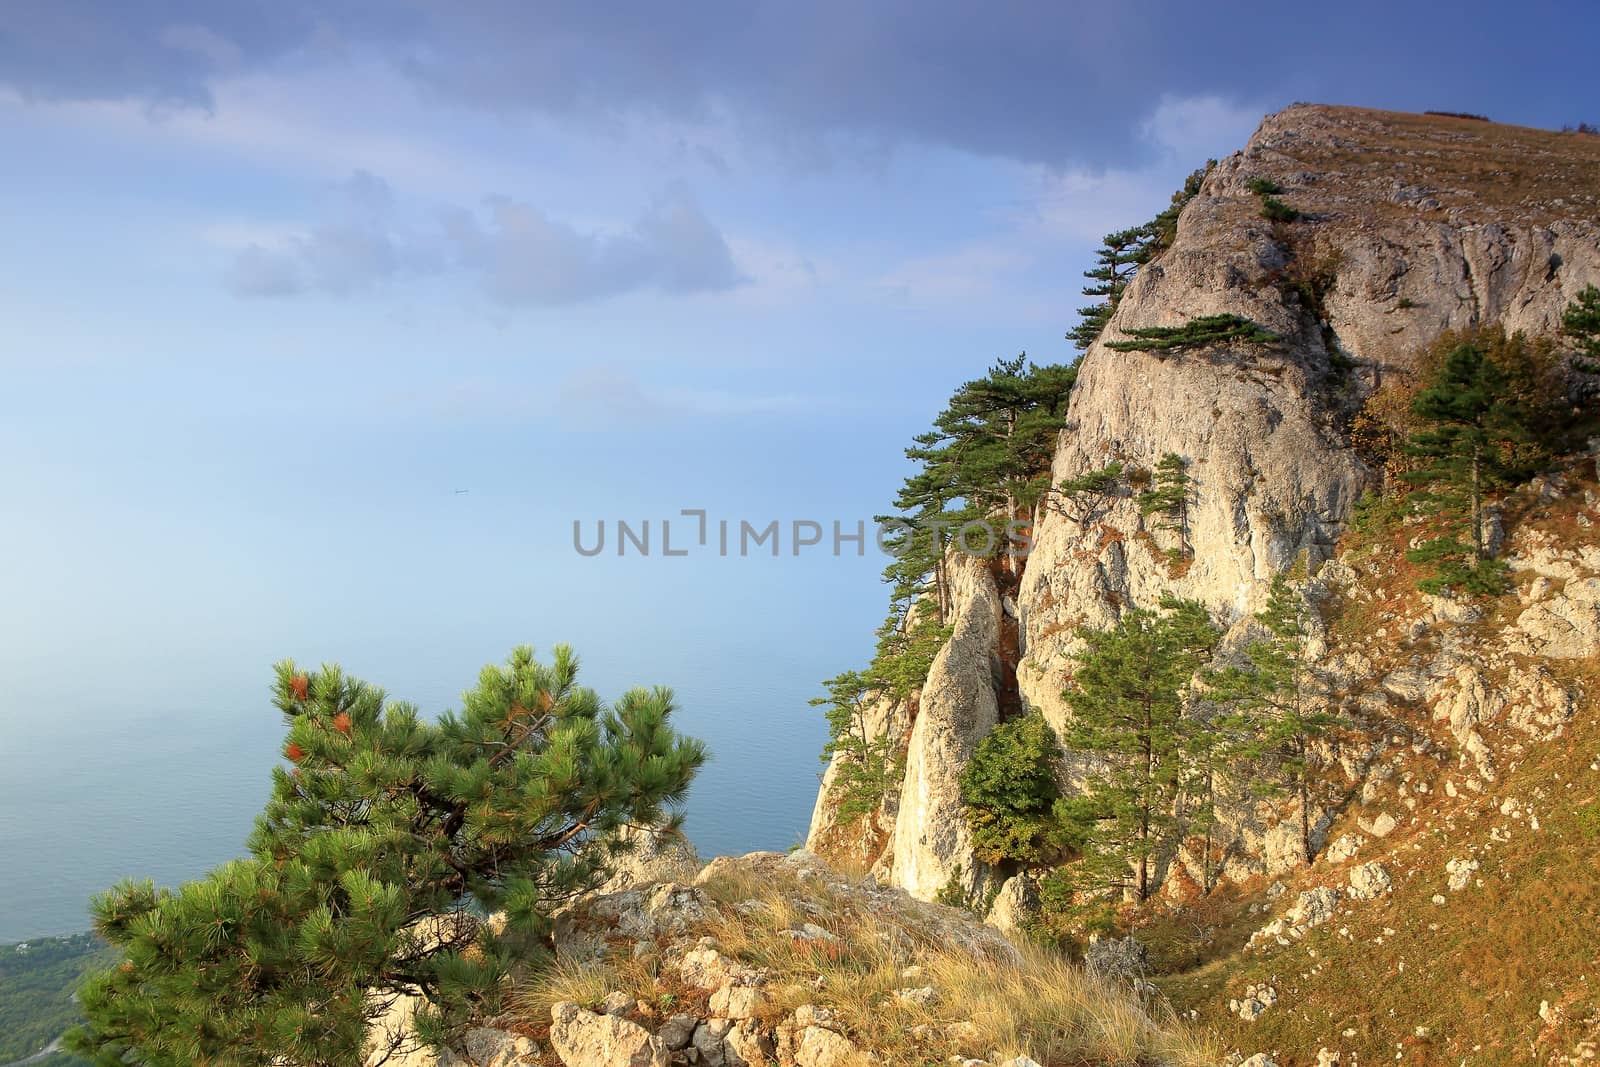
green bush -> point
(1276, 210)
(1009, 788)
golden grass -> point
(1475, 166)
(1043, 1006)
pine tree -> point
(994, 441)
(383, 840)
(1169, 495)
(1581, 322)
(866, 767)
(1469, 447)
(1009, 790)
(1128, 709)
(1119, 256)
(1278, 703)
(1084, 497)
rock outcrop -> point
(1407, 234)
(932, 844)
(772, 960)
(1408, 226)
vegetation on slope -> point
(37, 982)
(860, 954)
(982, 467)
(1498, 971)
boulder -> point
(1369, 881)
(1313, 907)
(652, 856)
(584, 1039)
(488, 1047)
(819, 1047)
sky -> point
(320, 324)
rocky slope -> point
(769, 960)
(1408, 226)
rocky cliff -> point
(1407, 226)
(1410, 226)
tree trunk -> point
(1477, 506)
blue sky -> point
(278, 279)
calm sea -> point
(95, 791)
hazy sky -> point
(278, 279)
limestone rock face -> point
(1403, 234)
(583, 1039)
(1401, 246)
(655, 857)
(1015, 903)
(884, 718)
(958, 706)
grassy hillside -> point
(1504, 968)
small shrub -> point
(1276, 210)
(953, 894)
(1263, 186)
(1458, 115)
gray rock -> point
(583, 1039)
(817, 1047)
(1461, 873)
(487, 1047)
(1313, 907)
(1125, 959)
(652, 856)
(676, 1032)
(1369, 881)
(932, 842)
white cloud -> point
(524, 257)
(1200, 127)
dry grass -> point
(1044, 1006)
(1471, 973)
(1478, 167)
(1459, 982)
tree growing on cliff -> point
(384, 838)
(1128, 710)
(1115, 262)
(1084, 497)
(1581, 323)
(1121, 255)
(992, 444)
(1278, 703)
(1168, 496)
(866, 764)
(1010, 792)
(1474, 439)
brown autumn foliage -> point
(1535, 369)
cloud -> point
(524, 257)
(1055, 84)
(1192, 127)
(258, 271)
(356, 251)
(518, 255)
